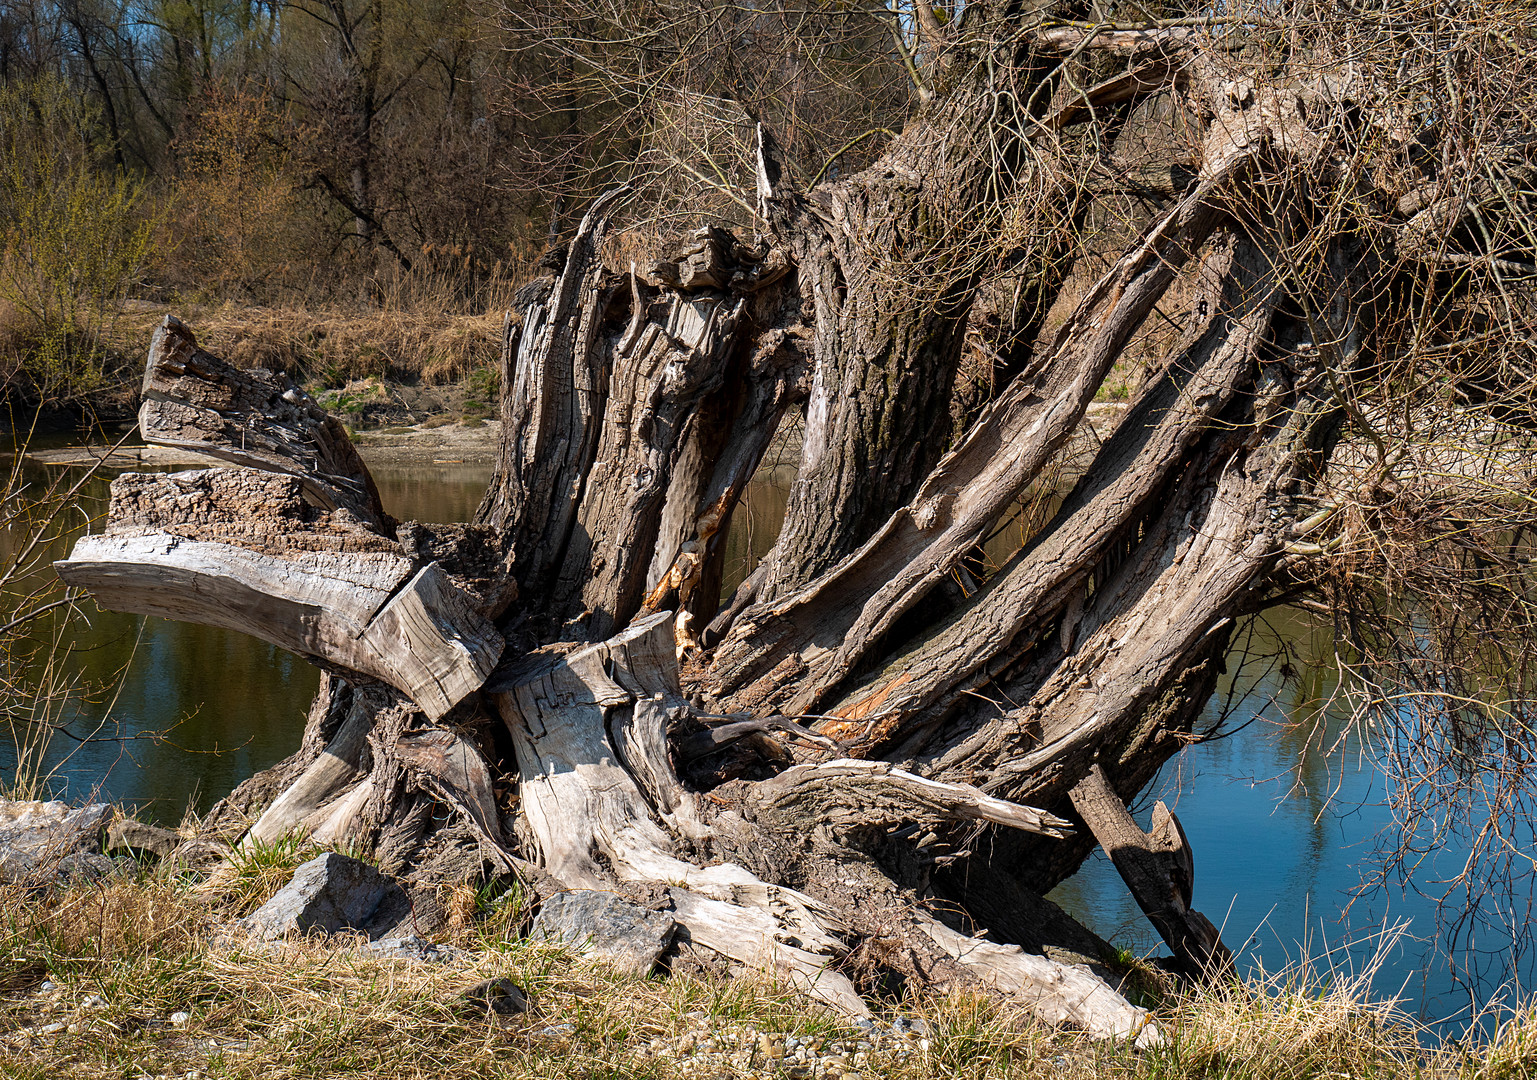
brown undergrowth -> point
(128, 978)
(333, 348)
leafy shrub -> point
(74, 236)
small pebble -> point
(95, 1001)
(47, 986)
(73, 1029)
(50, 1029)
(179, 1018)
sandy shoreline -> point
(455, 444)
(448, 444)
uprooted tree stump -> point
(854, 769)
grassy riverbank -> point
(134, 977)
(379, 366)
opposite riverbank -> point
(418, 444)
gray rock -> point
(411, 948)
(198, 854)
(330, 893)
(34, 836)
(134, 837)
(89, 867)
(606, 926)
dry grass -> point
(145, 947)
(334, 348)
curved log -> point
(244, 550)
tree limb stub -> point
(1159, 869)
(258, 418)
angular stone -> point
(499, 996)
(608, 927)
(90, 867)
(34, 836)
(411, 947)
(330, 893)
(128, 834)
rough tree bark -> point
(844, 779)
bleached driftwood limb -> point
(243, 550)
(1057, 993)
(851, 792)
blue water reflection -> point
(1285, 818)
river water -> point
(1281, 816)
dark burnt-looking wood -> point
(1159, 869)
(624, 449)
(257, 418)
(672, 354)
(688, 566)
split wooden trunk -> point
(855, 768)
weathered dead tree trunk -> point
(848, 777)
